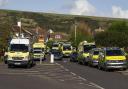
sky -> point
(103, 8)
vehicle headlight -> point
(10, 58)
(26, 58)
(95, 60)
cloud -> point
(3, 2)
(82, 7)
(118, 12)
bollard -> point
(40, 60)
(52, 58)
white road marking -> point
(91, 83)
(62, 66)
(82, 78)
(73, 73)
(66, 69)
(31, 71)
(58, 64)
(97, 85)
(61, 80)
(81, 83)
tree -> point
(116, 35)
(49, 43)
(109, 39)
(119, 26)
(82, 33)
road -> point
(61, 75)
(106, 80)
(41, 76)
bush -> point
(116, 35)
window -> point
(114, 53)
(87, 48)
(55, 45)
(37, 51)
(96, 52)
(19, 47)
(66, 47)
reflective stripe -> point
(115, 63)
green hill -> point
(56, 22)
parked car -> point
(57, 54)
(38, 54)
(73, 56)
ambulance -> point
(38, 51)
(66, 49)
(19, 52)
(112, 58)
(83, 51)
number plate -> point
(17, 63)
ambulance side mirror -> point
(102, 55)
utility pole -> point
(19, 24)
(75, 33)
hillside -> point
(56, 22)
